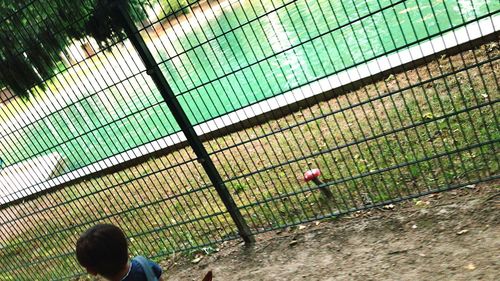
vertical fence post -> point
(152, 69)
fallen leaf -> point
(302, 227)
(470, 266)
(389, 78)
(414, 226)
(197, 260)
(422, 203)
(428, 115)
(389, 207)
(293, 243)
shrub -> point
(172, 7)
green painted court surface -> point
(227, 60)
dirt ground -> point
(453, 235)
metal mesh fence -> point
(390, 100)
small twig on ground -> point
(265, 246)
(399, 252)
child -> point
(103, 250)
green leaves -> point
(34, 33)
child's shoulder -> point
(138, 273)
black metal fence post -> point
(180, 116)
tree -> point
(34, 32)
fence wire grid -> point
(390, 100)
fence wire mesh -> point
(390, 100)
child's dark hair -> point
(103, 249)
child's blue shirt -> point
(136, 272)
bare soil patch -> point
(452, 235)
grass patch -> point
(416, 131)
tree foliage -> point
(34, 32)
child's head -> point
(103, 250)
